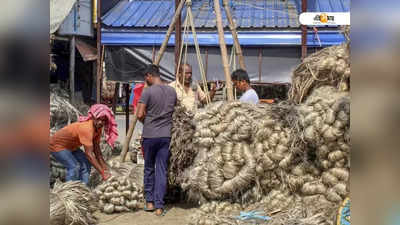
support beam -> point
(127, 95)
(224, 52)
(178, 33)
(303, 32)
(99, 63)
(234, 34)
(72, 70)
(169, 32)
(259, 64)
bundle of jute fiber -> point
(131, 171)
(62, 112)
(329, 66)
(72, 203)
(119, 194)
(241, 150)
(214, 212)
(325, 118)
(181, 147)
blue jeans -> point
(78, 166)
(156, 156)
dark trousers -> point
(156, 155)
(78, 166)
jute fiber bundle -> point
(242, 150)
(181, 147)
(72, 203)
(329, 66)
(123, 191)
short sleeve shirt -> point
(74, 136)
(160, 101)
(188, 98)
(250, 96)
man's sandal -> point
(148, 210)
(164, 211)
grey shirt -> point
(250, 96)
(160, 101)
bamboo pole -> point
(234, 34)
(169, 32)
(224, 52)
(132, 125)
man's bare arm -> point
(141, 112)
(89, 152)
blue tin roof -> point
(247, 13)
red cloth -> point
(137, 93)
(98, 111)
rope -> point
(180, 54)
(198, 54)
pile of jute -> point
(271, 154)
(329, 66)
(72, 203)
(123, 192)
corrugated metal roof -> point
(247, 13)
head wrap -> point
(110, 128)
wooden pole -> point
(72, 69)
(206, 63)
(99, 63)
(178, 33)
(116, 89)
(163, 47)
(234, 34)
(169, 32)
(224, 52)
(259, 64)
(127, 95)
(303, 32)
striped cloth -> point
(110, 129)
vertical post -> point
(127, 95)
(99, 63)
(224, 52)
(72, 69)
(115, 98)
(178, 33)
(303, 32)
(153, 56)
(234, 35)
(259, 64)
(206, 69)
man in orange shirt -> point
(64, 144)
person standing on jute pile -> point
(64, 144)
(155, 110)
(186, 96)
(241, 80)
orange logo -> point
(324, 18)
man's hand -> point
(106, 174)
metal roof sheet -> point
(246, 13)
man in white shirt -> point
(183, 87)
(241, 80)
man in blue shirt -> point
(241, 81)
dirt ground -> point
(178, 214)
